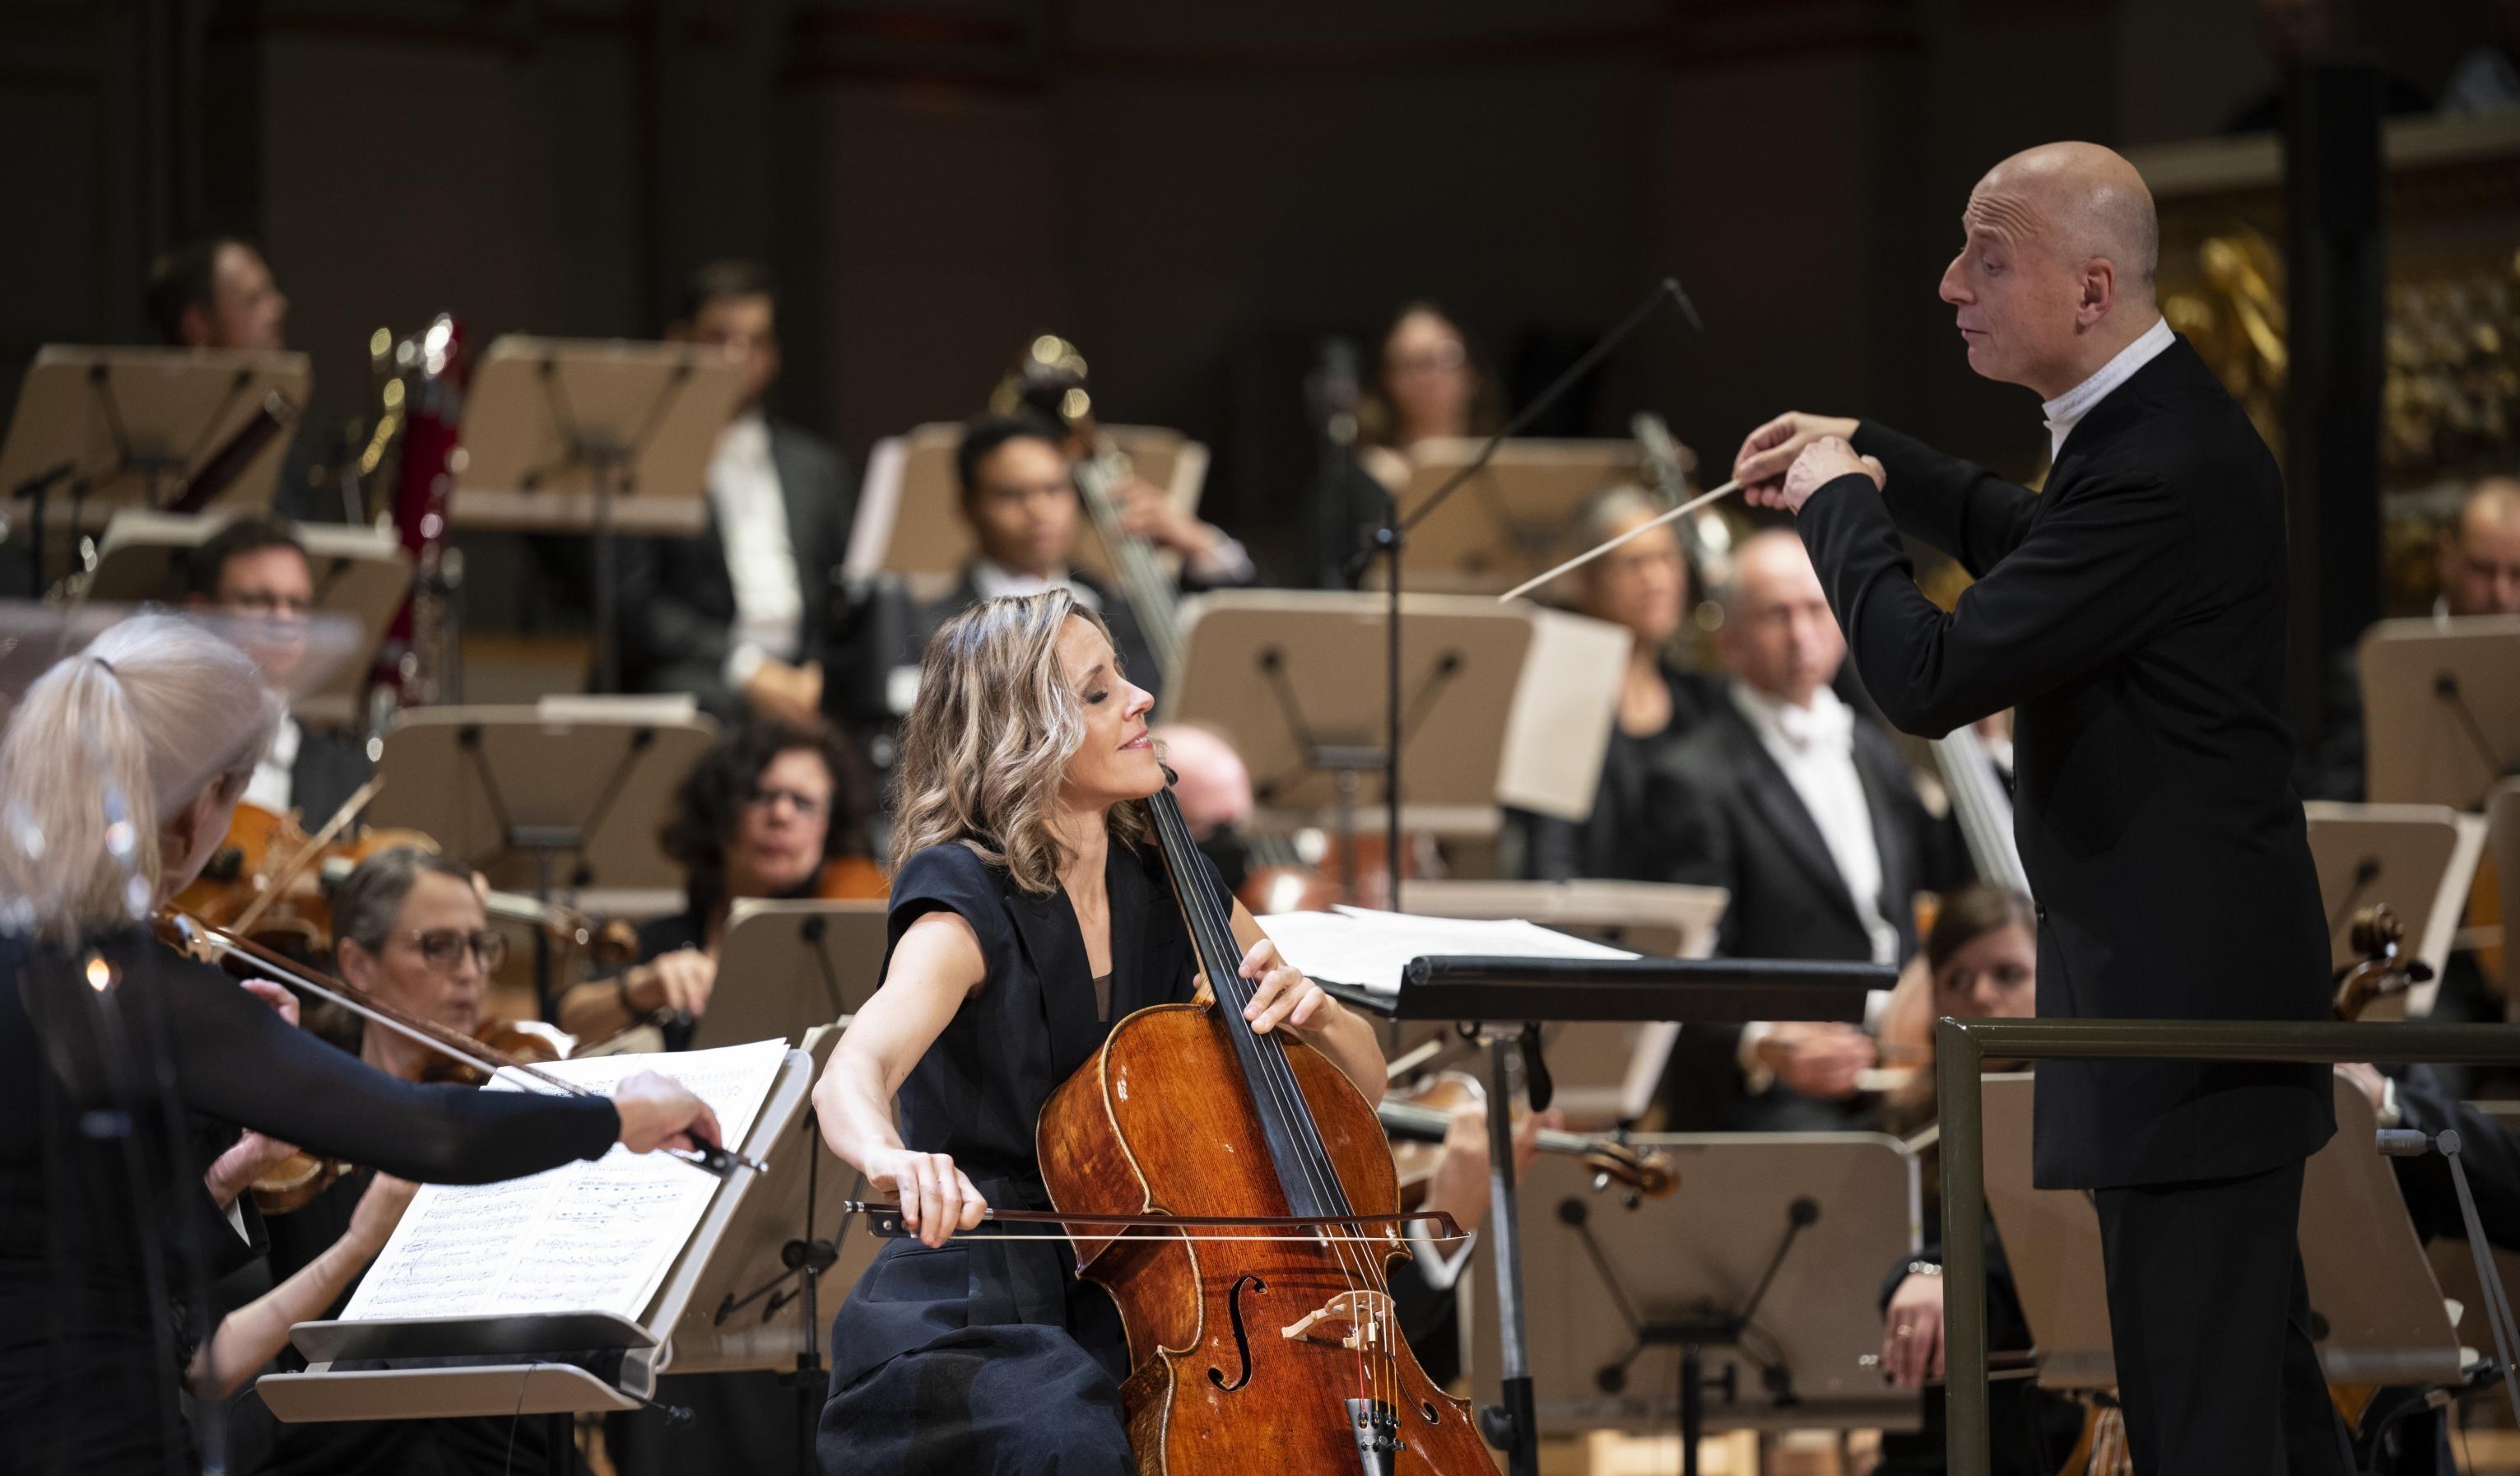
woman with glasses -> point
(766, 814)
(409, 930)
(1426, 386)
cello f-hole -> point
(1241, 1337)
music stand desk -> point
(2371, 1282)
(786, 967)
(908, 517)
(2421, 859)
(562, 798)
(1497, 702)
(2441, 709)
(1521, 507)
(1689, 1262)
(634, 1350)
(361, 574)
(137, 423)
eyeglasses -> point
(264, 605)
(443, 948)
(807, 806)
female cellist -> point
(117, 773)
(1029, 912)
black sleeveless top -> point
(979, 1092)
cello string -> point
(1377, 1351)
(1221, 961)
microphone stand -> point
(1393, 534)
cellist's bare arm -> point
(934, 968)
(1285, 997)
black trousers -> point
(2210, 1314)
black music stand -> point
(1504, 1002)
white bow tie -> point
(1830, 727)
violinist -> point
(769, 811)
(1029, 914)
(1427, 387)
(256, 570)
(119, 769)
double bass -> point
(1246, 1352)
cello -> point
(1246, 1354)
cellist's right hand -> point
(936, 1198)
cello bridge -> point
(1352, 1320)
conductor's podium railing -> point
(1961, 1049)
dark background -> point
(1193, 192)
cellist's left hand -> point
(1283, 996)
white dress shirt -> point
(2067, 410)
(760, 557)
(274, 785)
(1816, 748)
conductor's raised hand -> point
(659, 1112)
(1768, 451)
(1822, 462)
(936, 1198)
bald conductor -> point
(2134, 615)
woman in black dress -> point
(1645, 585)
(1029, 911)
(119, 771)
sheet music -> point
(1370, 949)
(595, 1235)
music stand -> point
(1763, 1263)
(785, 968)
(2441, 712)
(2419, 859)
(600, 436)
(1606, 1074)
(130, 427)
(510, 791)
(910, 519)
(1275, 673)
(560, 1365)
(1503, 1001)
(1526, 499)
(2369, 1281)
(361, 574)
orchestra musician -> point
(2478, 565)
(738, 616)
(1801, 809)
(218, 292)
(409, 928)
(1427, 387)
(763, 813)
(1019, 495)
(1028, 915)
(256, 570)
(119, 769)
(1646, 585)
(2132, 616)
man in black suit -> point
(1019, 495)
(256, 570)
(1800, 808)
(2132, 616)
(738, 616)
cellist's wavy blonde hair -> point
(987, 743)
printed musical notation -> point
(596, 1235)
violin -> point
(1248, 1352)
(1420, 1115)
(851, 878)
(2382, 972)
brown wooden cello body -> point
(1248, 1353)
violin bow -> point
(713, 1158)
